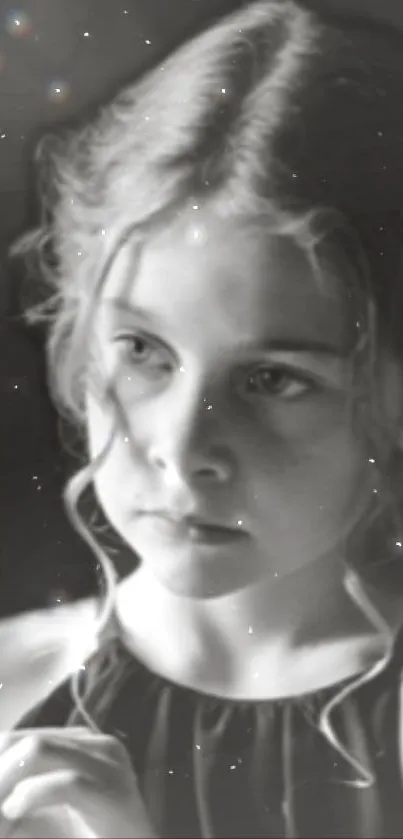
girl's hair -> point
(271, 113)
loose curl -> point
(270, 114)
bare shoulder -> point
(57, 617)
(37, 633)
(38, 651)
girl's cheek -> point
(306, 470)
(318, 420)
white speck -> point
(34, 477)
(148, 41)
(276, 573)
(239, 522)
(223, 90)
(21, 763)
(171, 772)
(1, 685)
(126, 440)
(82, 667)
(380, 133)
(398, 544)
(195, 206)
(125, 11)
(3, 136)
(375, 491)
(50, 682)
(250, 630)
(103, 232)
(15, 387)
(87, 35)
(147, 119)
(209, 407)
(232, 767)
(371, 460)
(198, 747)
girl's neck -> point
(282, 637)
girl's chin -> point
(200, 571)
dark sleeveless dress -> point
(210, 767)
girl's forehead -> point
(229, 249)
(233, 271)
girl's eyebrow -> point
(309, 346)
(127, 308)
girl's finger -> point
(80, 734)
(56, 823)
(37, 756)
(97, 808)
(104, 746)
(57, 787)
(13, 765)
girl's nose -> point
(192, 445)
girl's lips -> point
(212, 534)
(195, 530)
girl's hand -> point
(90, 773)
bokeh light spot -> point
(58, 91)
(18, 23)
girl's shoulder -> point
(38, 651)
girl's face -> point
(231, 366)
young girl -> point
(224, 244)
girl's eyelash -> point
(131, 338)
(293, 373)
(287, 377)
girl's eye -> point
(141, 352)
(280, 382)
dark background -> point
(59, 59)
